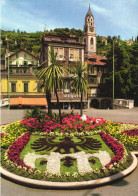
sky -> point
(112, 17)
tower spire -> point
(89, 33)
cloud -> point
(111, 16)
(3, 2)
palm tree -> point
(53, 77)
(79, 81)
(41, 85)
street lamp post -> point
(8, 72)
(113, 74)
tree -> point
(41, 85)
(79, 82)
(53, 77)
(123, 79)
(134, 66)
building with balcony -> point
(68, 50)
(23, 86)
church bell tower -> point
(89, 34)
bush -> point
(35, 113)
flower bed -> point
(16, 148)
(126, 133)
(10, 133)
(115, 146)
(70, 123)
(76, 150)
(85, 172)
(133, 132)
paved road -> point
(125, 187)
(122, 115)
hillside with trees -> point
(32, 41)
(126, 56)
(126, 68)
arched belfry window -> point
(91, 41)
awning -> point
(28, 101)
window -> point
(71, 54)
(16, 55)
(74, 54)
(39, 89)
(25, 87)
(13, 87)
(67, 85)
(17, 62)
(10, 71)
(92, 70)
(25, 70)
(92, 80)
(34, 69)
(59, 52)
(91, 42)
(102, 81)
(102, 69)
(25, 63)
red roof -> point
(98, 60)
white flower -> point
(67, 173)
(75, 174)
(83, 117)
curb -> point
(135, 153)
(70, 185)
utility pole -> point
(8, 72)
(113, 74)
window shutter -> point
(76, 55)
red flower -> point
(16, 148)
(115, 146)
